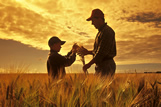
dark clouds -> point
(140, 49)
(25, 22)
(146, 17)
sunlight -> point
(33, 22)
(30, 6)
(68, 4)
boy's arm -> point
(71, 56)
(63, 60)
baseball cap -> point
(96, 13)
(54, 40)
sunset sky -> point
(26, 26)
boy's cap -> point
(96, 13)
(54, 40)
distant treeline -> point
(153, 72)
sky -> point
(27, 25)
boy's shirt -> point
(56, 63)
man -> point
(104, 47)
(56, 63)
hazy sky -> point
(26, 26)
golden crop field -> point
(80, 90)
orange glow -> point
(33, 22)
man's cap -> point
(54, 40)
(96, 13)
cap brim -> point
(62, 42)
(89, 19)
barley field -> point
(80, 90)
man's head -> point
(55, 43)
(97, 18)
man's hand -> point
(85, 67)
(82, 51)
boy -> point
(56, 63)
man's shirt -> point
(105, 44)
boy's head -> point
(55, 43)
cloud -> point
(23, 23)
(33, 22)
(27, 23)
(47, 5)
(145, 49)
(149, 17)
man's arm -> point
(89, 53)
(83, 51)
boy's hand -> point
(75, 48)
